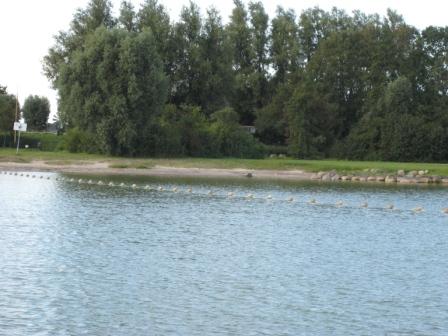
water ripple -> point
(97, 260)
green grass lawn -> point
(341, 166)
(28, 155)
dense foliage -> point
(8, 106)
(35, 112)
(326, 84)
(44, 141)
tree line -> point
(322, 83)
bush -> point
(44, 141)
(275, 149)
(76, 141)
(229, 139)
(183, 131)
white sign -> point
(21, 127)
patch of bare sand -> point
(102, 168)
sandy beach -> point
(107, 168)
(102, 168)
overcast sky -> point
(27, 28)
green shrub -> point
(48, 142)
(273, 149)
(184, 131)
(230, 140)
(77, 141)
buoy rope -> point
(209, 193)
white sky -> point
(27, 28)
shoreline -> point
(103, 168)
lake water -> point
(84, 259)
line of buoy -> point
(249, 196)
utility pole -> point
(17, 107)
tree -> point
(312, 30)
(186, 75)
(85, 21)
(184, 131)
(36, 111)
(215, 70)
(285, 50)
(98, 13)
(115, 88)
(7, 110)
(310, 119)
(127, 18)
(272, 121)
(155, 17)
(260, 43)
(434, 42)
(240, 38)
(400, 126)
(340, 68)
(230, 139)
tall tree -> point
(215, 65)
(285, 50)
(115, 88)
(155, 17)
(85, 21)
(187, 35)
(240, 39)
(312, 30)
(310, 119)
(127, 18)
(7, 110)
(260, 43)
(36, 111)
(435, 48)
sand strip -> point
(102, 168)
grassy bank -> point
(28, 155)
(355, 167)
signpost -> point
(21, 127)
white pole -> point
(18, 143)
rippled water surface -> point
(97, 260)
